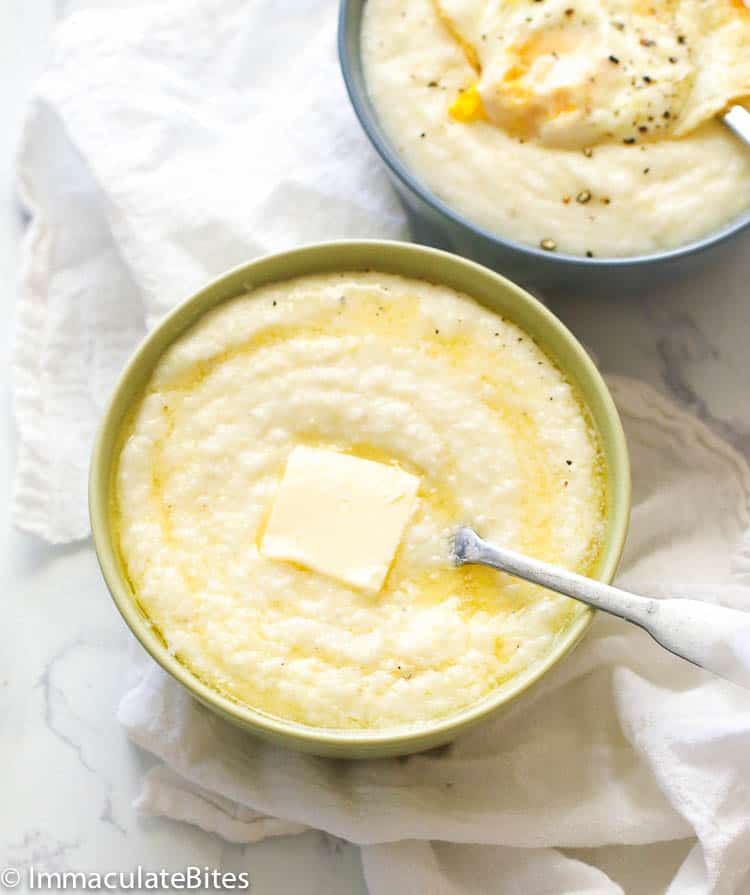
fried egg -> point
(575, 73)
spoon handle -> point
(711, 636)
(738, 119)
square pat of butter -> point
(340, 515)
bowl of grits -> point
(564, 143)
(278, 474)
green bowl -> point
(409, 260)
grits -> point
(583, 126)
(383, 368)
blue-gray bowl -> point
(433, 222)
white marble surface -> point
(69, 775)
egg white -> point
(573, 73)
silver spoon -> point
(710, 636)
(738, 119)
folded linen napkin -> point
(169, 141)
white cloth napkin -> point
(169, 141)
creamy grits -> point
(581, 126)
(398, 371)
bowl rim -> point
(368, 120)
(396, 740)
